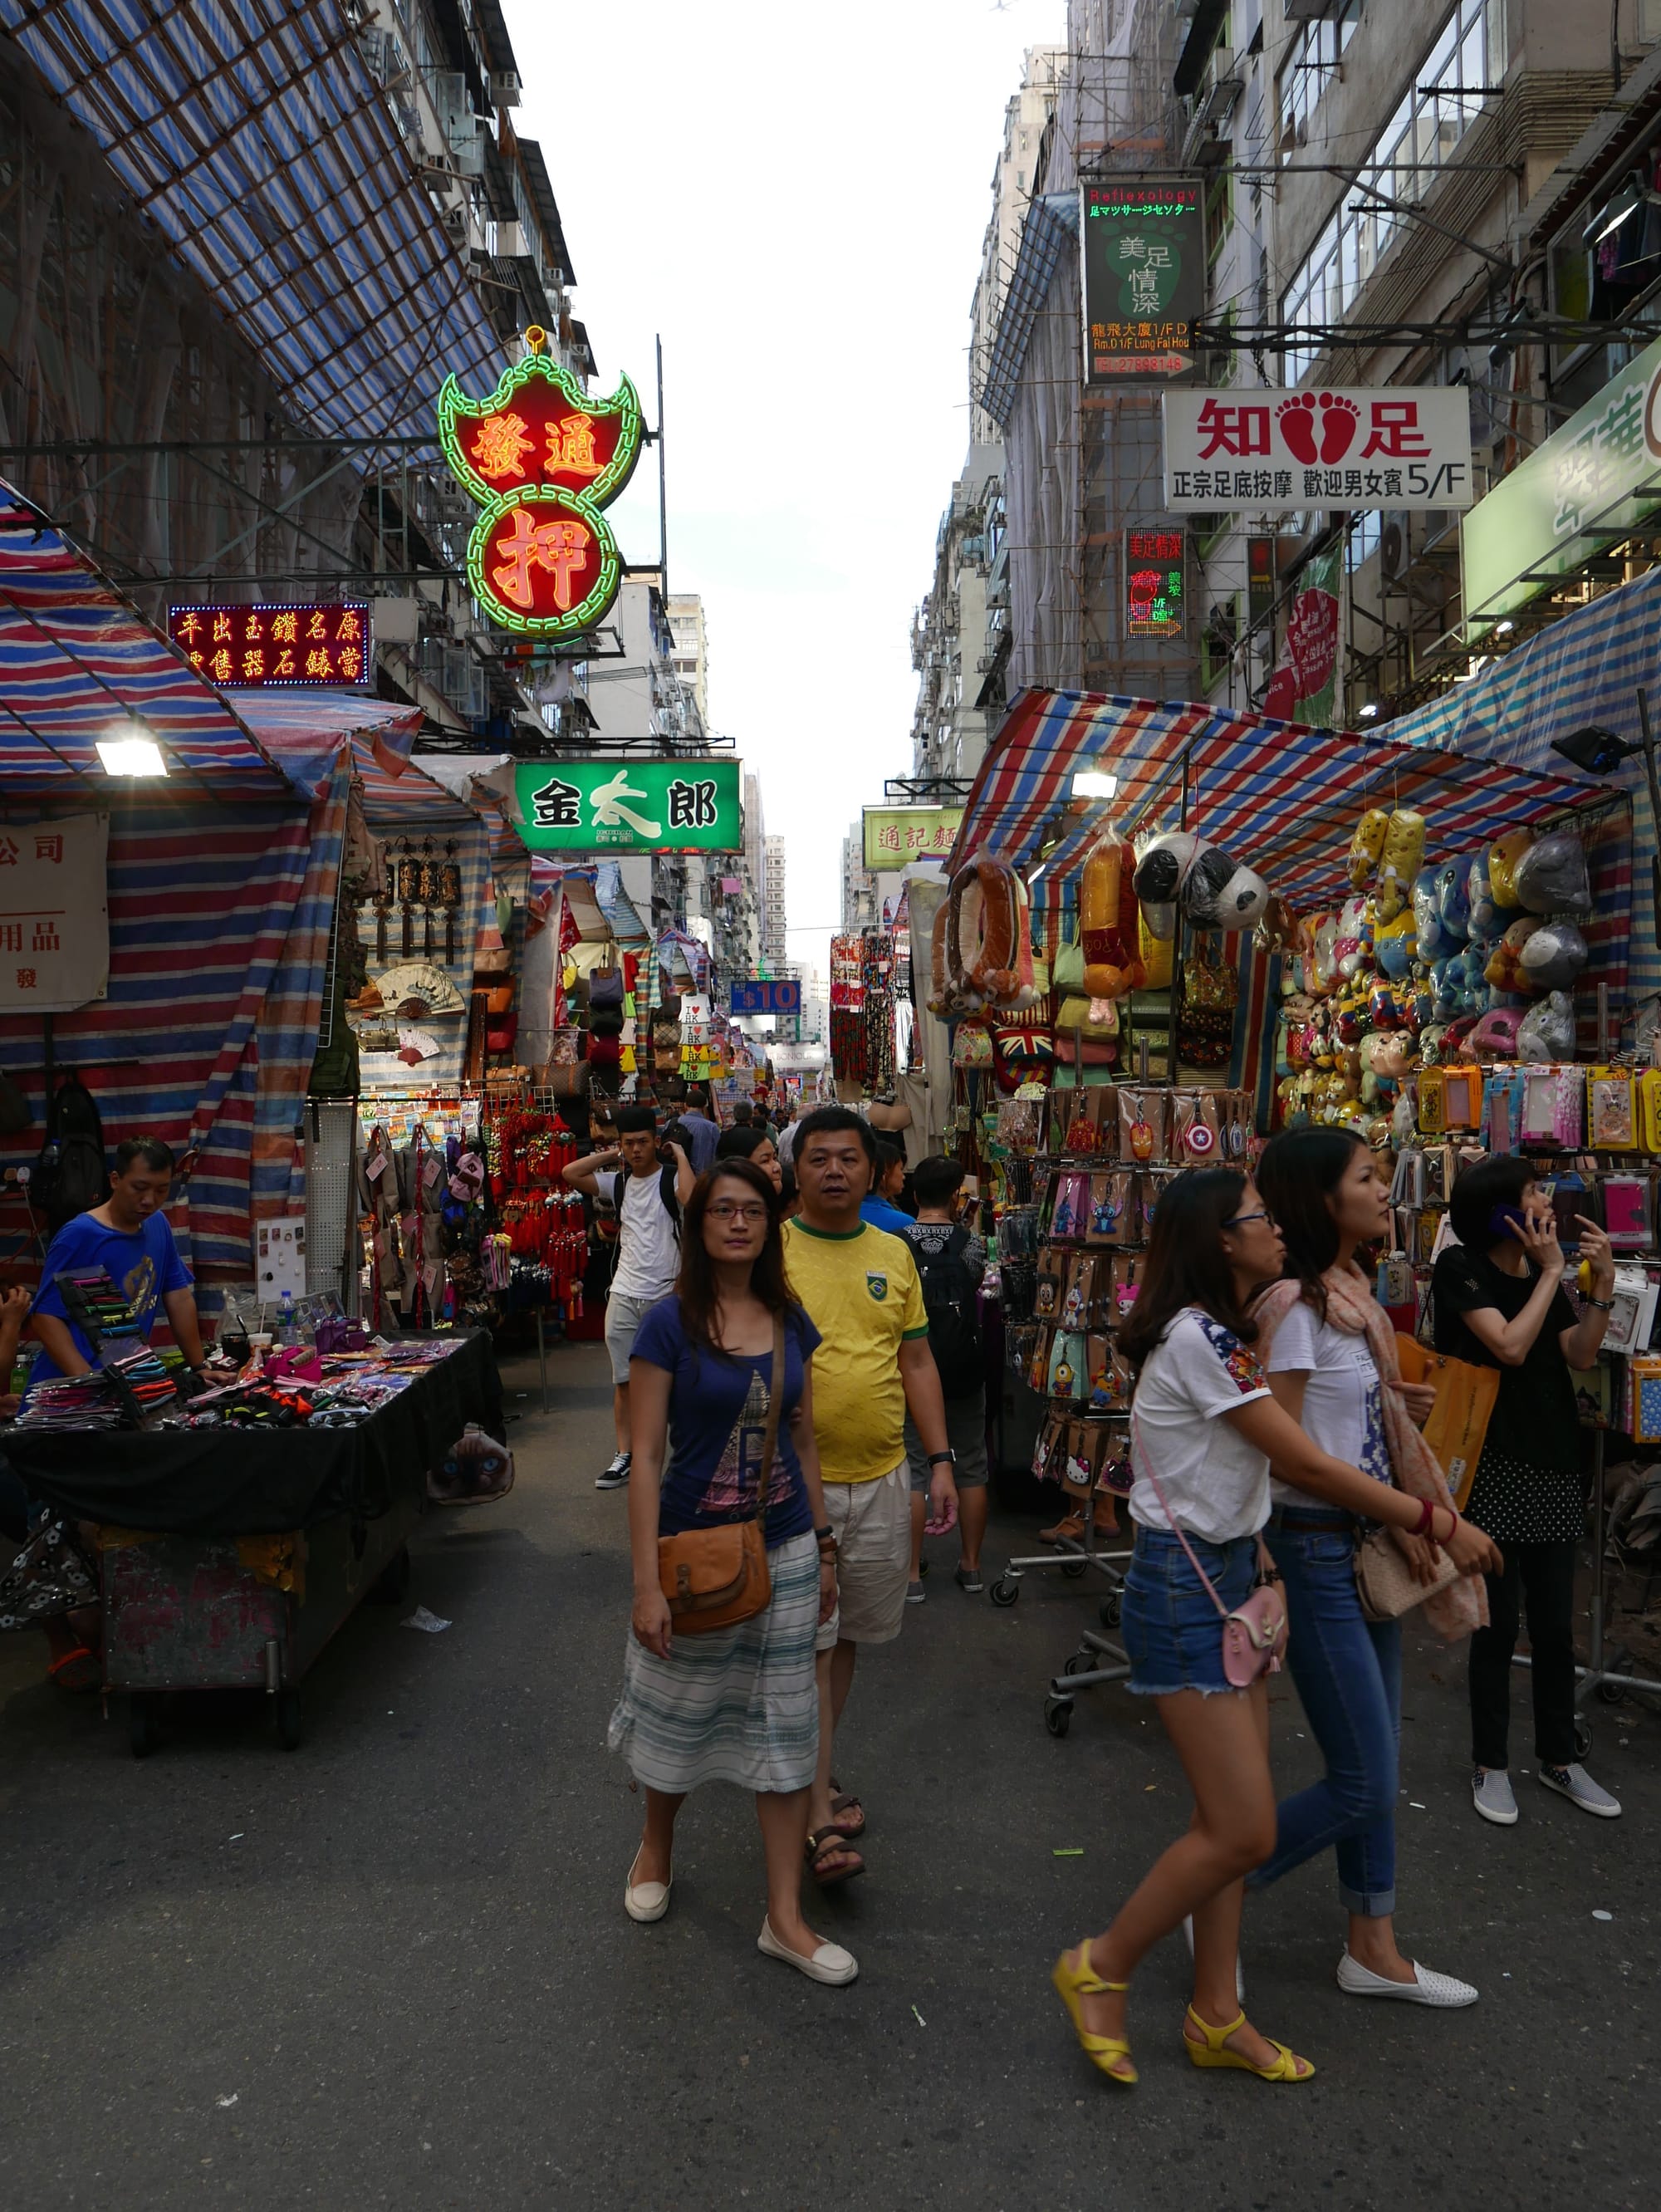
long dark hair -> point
(1299, 1172)
(1186, 1265)
(695, 1286)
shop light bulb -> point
(1504, 628)
(1365, 714)
(127, 752)
(1093, 783)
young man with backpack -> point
(950, 1262)
(648, 1197)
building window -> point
(1439, 107)
(1315, 53)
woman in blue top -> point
(737, 1704)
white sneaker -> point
(828, 1963)
(1425, 1988)
(1240, 1970)
(646, 1900)
(1494, 1797)
(1578, 1786)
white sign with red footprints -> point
(1398, 445)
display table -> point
(230, 1556)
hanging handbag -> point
(1387, 1584)
(716, 1578)
(1254, 1633)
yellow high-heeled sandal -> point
(1074, 1983)
(1287, 2066)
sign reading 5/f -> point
(1405, 446)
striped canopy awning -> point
(1283, 797)
(77, 663)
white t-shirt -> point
(648, 1250)
(1215, 1482)
(1342, 1400)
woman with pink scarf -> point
(1330, 1352)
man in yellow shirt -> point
(860, 1288)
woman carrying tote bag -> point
(1330, 1353)
(722, 1371)
(1204, 1430)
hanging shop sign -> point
(1586, 486)
(755, 996)
(1143, 246)
(252, 648)
(630, 806)
(1304, 684)
(1155, 583)
(54, 914)
(1406, 446)
(894, 835)
(543, 460)
(1260, 579)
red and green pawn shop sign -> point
(543, 460)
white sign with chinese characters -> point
(1401, 446)
(54, 914)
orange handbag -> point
(499, 1000)
(715, 1577)
(1465, 1398)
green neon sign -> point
(543, 460)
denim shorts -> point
(1171, 1631)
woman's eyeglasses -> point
(723, 1210)
(1240, 1221)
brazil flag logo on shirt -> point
(877, 1286)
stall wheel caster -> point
(1058, 1714)
(1004, 1591)
(1113, 1609)
(1074, 1568)
(1612, 1693)
(143, 1726)
(1081, 1663)
(286, 1718)
(1582, 1737)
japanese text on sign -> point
(244, 649)
(54, 917)
(1143, 246)
(1408, 449)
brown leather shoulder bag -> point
(715, 1577)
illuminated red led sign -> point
(1155, 583)
(543, 460)
(245, 648)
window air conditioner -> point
(505, 87)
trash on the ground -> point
(1505, 1978)
(225, 2103)
(1415, 1805)
(1598, 1913)
(237, 1838)
(918, 2017)
(1150, 1788)
(1068, 1851)
(421, 1619)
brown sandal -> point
(826, 1845)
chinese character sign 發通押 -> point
(54, 914)
(245, 648)
(636, 805)
(1407, 447)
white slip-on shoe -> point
(1578, 1786)
(829, 1963)
(1494, 1797)
(1426, 1988)
(1240, 1970)
(646, 1900)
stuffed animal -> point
(1504, 964)
(1354, 939)
(1350, 1016)
(1503, 855)
(1321, 954)
(1553, 956)
(1494, 1037)
(1395, 945)
(1402, 858)
(1158, 878)
(1108, 922)
(1367, 846)
(1432, 942)
(1453, 897)
(1385, 1006)
(1218, 892)
(1280, 930)
(1487, 917)
(1466, 982)
(1433, 1042)
(1547, 1029)
(1551, 877)
(1418, 1003)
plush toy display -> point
(1158, 878)
(1503, 855)
(1108, 922)
(1218, 892)
(1553, 956)
(1395, 945)
(1547, 1031)
(1551, 877)
(1453, 897)
(1488, 918)
(1434, 942)
(1494, 1037)
(1156, 952)
(1354, 944)
(1367, 846)
(1402, 860)
(1321, 954)
(1504, 964)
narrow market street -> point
(392, 1967)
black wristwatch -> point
(950, 1458)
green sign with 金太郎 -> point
(630, 805)
(1587, 485)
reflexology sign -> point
(1399, 446)
(543, 460)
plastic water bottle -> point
(285, 1324)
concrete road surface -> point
(392, 1968)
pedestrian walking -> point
(951, 1260)
(1329, 1353)
(860, 1286)
(755, 1145)
(881, 1205)
(703, 1134)
(1499, 1301)
(647, 1186)
(722, 1385)
(1204, 1428)
(786, 1139)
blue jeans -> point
(1347, 1670)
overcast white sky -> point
(796, 198)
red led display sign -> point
(1155, 583)
(244, 649)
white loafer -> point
(1426, 1988)
(646, 1900)
(829, 1963)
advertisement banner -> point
(253, 648)
(1305, 681)
(1155, 583)
(630, 806)
(54, 914)
(755, 996)
(1403, 447)
(1588, 483)
(894, 835)
(1143, 245)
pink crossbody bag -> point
(1254, 1633)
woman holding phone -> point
(1204, 1428)
(1500, 1303)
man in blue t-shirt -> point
(129, 1237)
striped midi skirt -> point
(739, 1705)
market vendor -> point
(129, 1238)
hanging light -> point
(128, 748)
(1094, 783)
